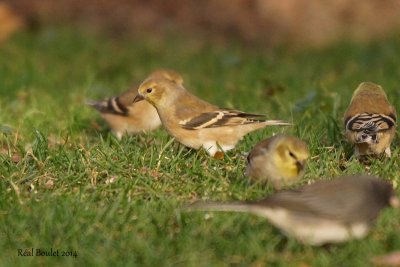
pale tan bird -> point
(370, 120)
(196, 123)
(279, 160)
(125, 117)
(325, 212)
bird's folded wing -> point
(333, 203)
(372, 122)
(260, 149)
(218, 118)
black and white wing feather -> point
(226, 117)
(112, 105)
(368, 125)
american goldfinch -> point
(196, 123)
(280, 160)
(370, 120)
(328, 211)
(124, 116)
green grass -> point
(57, 166)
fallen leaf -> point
(15, 158)
(219, 155)
(111, 180)
(49, 184)
(391, 259)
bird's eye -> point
(292, 155)
(149, 90)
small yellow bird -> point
(279, 160)
(196, 123)
(124, 116)
(325, 212)
(370, 120)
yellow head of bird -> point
(167, 74)
(158, 91)
(291, 156)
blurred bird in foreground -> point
(279, 160)
(196, 123)
(124, 116)
(370, 120)
(324, 212)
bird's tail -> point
(111, 105)
(99, 105)
(218, 206)
(276, 122)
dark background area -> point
(295, 23)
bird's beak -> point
(138, 98)
(394, 202)
(300, 165)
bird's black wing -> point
(222, 117)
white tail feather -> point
(91, 102)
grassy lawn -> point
(67, 184)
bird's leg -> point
(118, 134)
(357, 152)
(388, 152)
(219, 155)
